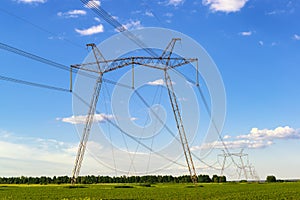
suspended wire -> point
(19, 81)
(41, 28)
(129, 135)
(117, 83)
(169, 130)
(109, 130)
(125, 142)
(214, 125)
(23, 53)
(207, 108)
(152, 139)
(111, 21)
(147, 118)
(117, 25)
(108, 18)
(98, 10)
(153, 13)
(32, 56)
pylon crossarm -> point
(157, 63)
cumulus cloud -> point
(40, 156)
(257, 138)
(175, 2)
(296, 37)
(16, 147)
(156, 82)
(91, 31)
(72, 13)
(234, 144)
(226, 137)
(32, 1)
(225, 5)
(246, 33)
(149, 14)
(133, 25)
(268, 134)
(93, 4)
(80, 119)
(97, 19)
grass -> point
(156, 191)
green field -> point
(155, 191)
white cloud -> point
(133, 25)
(80, 119)
(225, 5)
(159, 82)
(149, 14)
(93, 4)
(115, 17)
(136, 12)
(72, 13)
(97, 19)
(156, 82)
(226, 137)
(268, 134)
(31, 156)
(234, 144)
(49, 150)
(32, 1)
(276, 12)
(175, 2)
(254, 140)
(133, 119)
(246, 33)
(296, 37)
(91, 31)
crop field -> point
(154, 191)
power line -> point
(52, 63)
(117, 25)
(19, 81)
(129, 135)
(40, 28)
(33, 57)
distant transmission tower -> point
(165, 62)
(244, 167)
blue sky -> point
(254, 43)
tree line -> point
(43, 180)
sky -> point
(255, 45)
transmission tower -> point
(242, 168)
(164, 62)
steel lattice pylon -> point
(163, 62)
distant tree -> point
(271, 179)
(222, 179)
(215, 179)
(204, 179)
